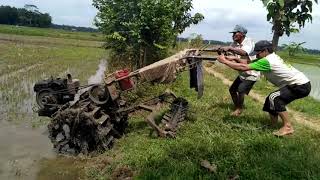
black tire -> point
(45, 97)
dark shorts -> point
(277, 100)
(241, 86)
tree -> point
(142, 30)
(31, 16)
(31, 8)
(293, 48)
(286, 14)
(27, 16)
(195, 40)
(8, 15)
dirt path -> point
(297, 116)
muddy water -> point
(21, 150)
(25, 152)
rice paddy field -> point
(236, 147)
(24, 60)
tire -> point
(46, 97)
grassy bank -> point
(241, 146)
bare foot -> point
(284, 131)
(237, 112)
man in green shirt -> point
(293, 84)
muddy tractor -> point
(89, 118)
(54, 92)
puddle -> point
(21, 150)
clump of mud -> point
(122, 173)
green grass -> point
(301, 58)
(237, 146)
(48, 32)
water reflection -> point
(313, 73)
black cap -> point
(260, 46)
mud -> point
(122, 173)
(62, 167)
(21, 150)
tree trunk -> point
(141, 53)
(275, 40)
(277, 31)
(145, 57)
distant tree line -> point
(27, 16)
(305, 50)
(32, 17)
(74, 28)
(312, 51)
(205, 42)
(215, 42)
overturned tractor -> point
(89, 118)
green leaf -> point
(309, 17)
(309, 4)
(304, 9)
(265, 2)
(159, 46)
(284, 18)
(268, 17)
(281, 3)
(294, 30)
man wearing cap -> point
(293, 84)
(242, 46)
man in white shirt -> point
(293, 84)
(242, 46)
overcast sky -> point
(220, 18)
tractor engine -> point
(52, 93)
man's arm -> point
(261, 64)
(236, 59)
(241, 66)
(235, 50)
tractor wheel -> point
(46, 97)
(78, 130)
